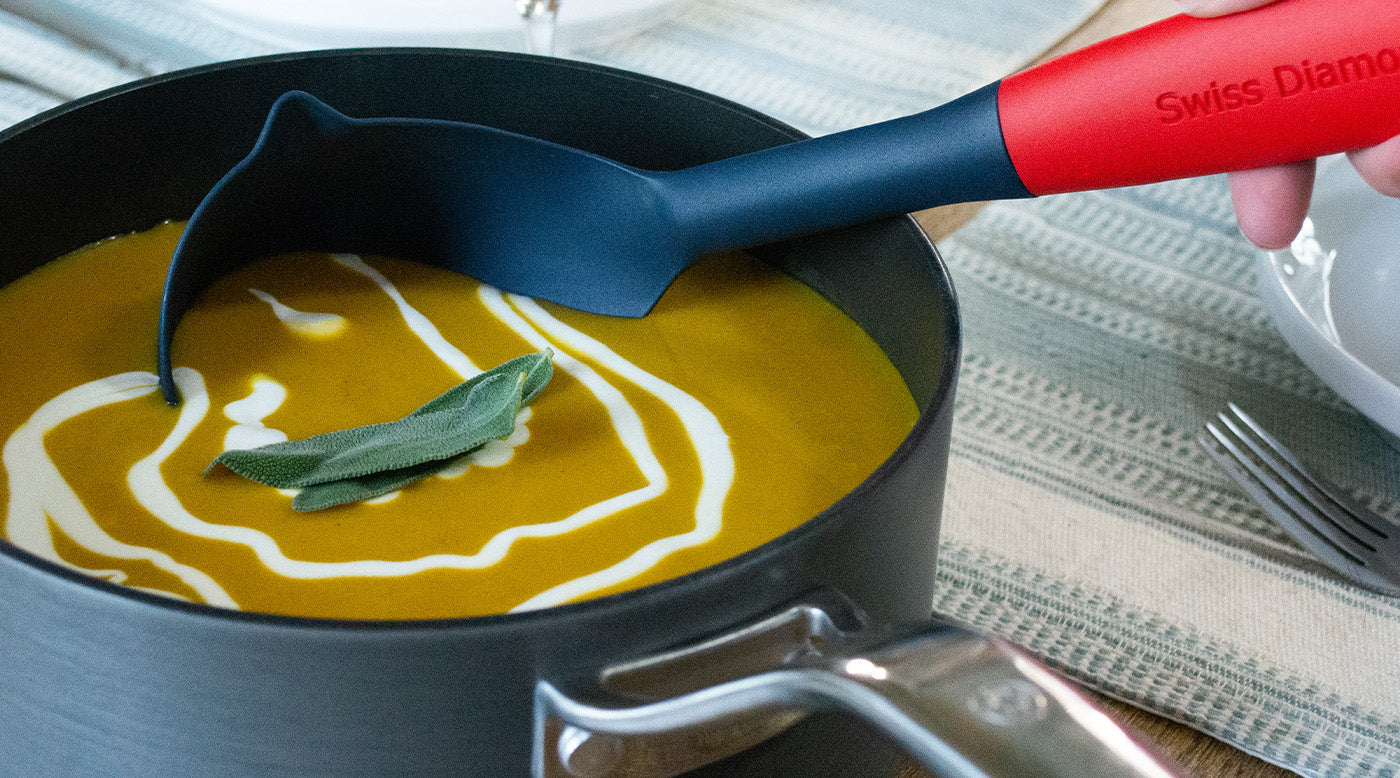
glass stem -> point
(540, 18)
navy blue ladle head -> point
(533, 217)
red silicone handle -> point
(1188, 97)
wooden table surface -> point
(1194, 752)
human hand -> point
(1270, 203)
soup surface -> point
(742, 406)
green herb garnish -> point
(364, 462)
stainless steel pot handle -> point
(961, 703)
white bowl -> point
(1335, 293)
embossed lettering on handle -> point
(1187, 97)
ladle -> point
(1180, 98)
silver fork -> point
(1351, 539)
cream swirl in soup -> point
(742, 406)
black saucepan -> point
(96, 679)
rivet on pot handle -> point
(961, 703)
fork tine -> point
(1279, 502)
(1289, 490)
(1292, 509)
(1364, 527)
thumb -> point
(1217, 7)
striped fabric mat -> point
(1102, 331)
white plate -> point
(495, 24)
(1335, 294)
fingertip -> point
(1271, 203)
(1379, 166)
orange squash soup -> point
(740, 407)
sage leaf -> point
(362, 462)
(332, 493)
